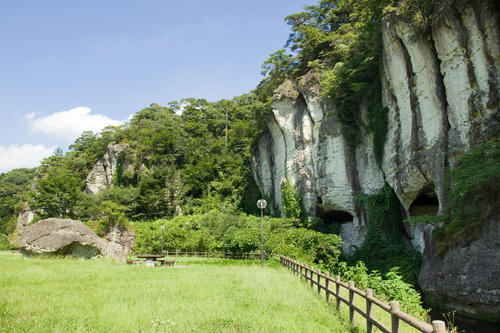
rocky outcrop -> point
(122, 237)
(67, 237)
(305, 145)
(465, 279)
(101, 176)
(25, 217)
(442, 94)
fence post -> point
(176, 253)
(369, 325)
(300, 269)
(319, 281)
(438, 326)
(351, 300)
(327, 291)
(337, 290)
(394, 318)
(312, 273)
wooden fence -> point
(323, 281)
(223, 255)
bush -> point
(110, 215)
(4, 243)
(388, 287)
(224, 232)
(383, 248)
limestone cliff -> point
(305, 145)
(102, 173)
(442, 95)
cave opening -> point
(426, 203)
(330, 218)
(336, 216)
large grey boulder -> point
(465, 279)
(67, 237)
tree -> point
(57, 193)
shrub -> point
(292, 201)
(224, 232)
(388, 287)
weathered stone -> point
(101, 176)
(442, 95)
(465, 279)
(67, 237)
(122, 237)
(306, 146)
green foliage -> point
(292, 201)
(57, 193)
(473, 196)
(4, 243)
(307, 246)
(383, 247)
(109, 215)
(425, 219)
(341, 42)
(197, 161)
(14, 186)
(389, 286)
(377, 122)
(225, 232)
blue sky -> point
(68, 65)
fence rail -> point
(323, 282)
(223, 255)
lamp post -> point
(162, 230)
(262, 204)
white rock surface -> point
(101, 176)
(442, 94)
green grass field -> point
(67, 295)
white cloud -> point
(71, 123)
(25, 156)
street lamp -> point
(162, 230)
(262, 204)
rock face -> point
(67, 237)
(305, 145)
(466, 278)
(442, 93)
(122, 237)
(101, 176)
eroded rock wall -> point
(101, 176)
(305, 145)
(442, 95)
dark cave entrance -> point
(427, 203)
(336, 216)
(331, 218)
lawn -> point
(67, 295)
